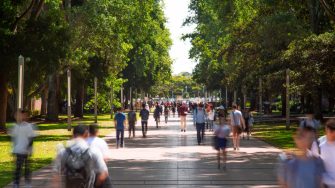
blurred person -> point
(79, 165)
(327, 154)
(144, 114)
(237, 124)
(166, 113)
(301, 169)
(221, 114)
(183, 114)
(310, 121)
(221, 133)
(173, 109)
(120, 124)
(247, 116)
(200, 119)
(157, 114)
(210, 117)
(94, 141)
(132, 119)
(22, 134)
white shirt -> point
(79, 144)
(100, 144)
(211, 115)
(328, 156)
(235, 116)
(21, 136)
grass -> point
(50, 135)
(277, 135)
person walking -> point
(166, 113)
(95, 142)
(301, 169)
(247, 116)
(173, 109)
(144, 114)
(157, 114)
(200, 119)
(132, 119)
(22, 134)
(210, 117)
(237, 124)
(119, 122)
(183, 114)
(80, 165)
(327, 154)
(222, 132)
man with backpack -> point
(200, 119)
(79, 165)
(144, 114)
(132, 121)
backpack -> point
(78, 169)
(132, 116)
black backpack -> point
(78, 169)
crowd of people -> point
(83, 160)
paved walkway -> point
(170, 158)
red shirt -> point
(183, 111)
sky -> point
(176, 11)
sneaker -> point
(234, 148)
(181, 130)
(184, 130)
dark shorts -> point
(222, 143)
(237, 130)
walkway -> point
(168, 158)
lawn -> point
(50, 135)
(276, 134)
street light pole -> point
(260, 97)
(68, 100)
(20, 86)
(287, 98)
(95, 100)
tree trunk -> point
(331, 104)
(52, 106)
(79, 107)
(3, 102)
(317, 101)
(302, 102)
(44, 101)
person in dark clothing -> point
(131, 121)
(119, 121)
(144, 114)
(157, 114)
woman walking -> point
(221, 133)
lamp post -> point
(287, 99)
(121, 97)
(260, 97)
(69, 100)
(226, 97)
(20, 86)
(95, 100)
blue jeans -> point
(200, 127)
(118, 134)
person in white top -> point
(237, 124)
(210, 116)
(95, 142)
(22, 134)
(327, 154)
(221, 131)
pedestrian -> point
(195, 109)
(247, 116)
(119, 122)
(166, 113)
(144, 114)
(79, 165)
(183, 113)
(301, 169)
(210, 117)
(237, 124)
(311, 122)
(200, 119)
(95, 142)
(173, 110)
(23, 135)
(157, 114)
(221, 133)
(327, 154)
(221, 114)
(132, 119)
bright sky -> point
(176, 11)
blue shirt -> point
(119, 118)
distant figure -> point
(327, 154)
(166, 113)
(79, 165)
(95, 142)
(210, 117)
(22, 135)
(144, 114)
(183, 113)
(237, 124)
(222, 132)
(200, 119)
(302, 169)
(173, 110)
(157, 114)
(248, 122)
(119, 122)
(131, 121)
